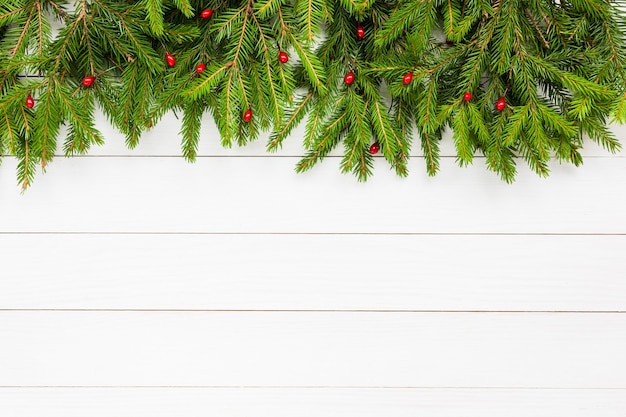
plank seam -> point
(92, 232)
(304, 387)
(158, 310)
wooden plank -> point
(541, 350)
(264, 195)
(313, 272)
(311, 402)
(164, 140)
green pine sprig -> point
(559, 67)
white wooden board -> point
(541, 350)
(186, 266)
(313, 272)
(263, 195)
(309, 402)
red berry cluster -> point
(500, 104)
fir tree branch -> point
(430, 147)
(5, 18)
(190, 129)
(22, 37)
(154, 11)
(321, 149)
(40, 27)
(357, 137)
(619, 115)
(208, 82)
(297, 114)
(26, 164)
(616, 58)
(311, 64)
(406, 16)
(185, 7)
(449, 29)
(239, 44)
(392, 147)
(599, 133)
(515, 125)
(267, 8)
(67, 32)
(427, 110)
(24, 167)
(313, 125)
(47, 122)
(223, 29)
(355, 7)
(275, 99)
(499, 158)
(570, 80)
(539, 32)
(311, 14)
(462, 139)
(536, 161)
(82, 131)
(9, 130)
(142, 50)
(60, 12)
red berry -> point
(87, 81)
(360, 32)
(408, 77)
(247, 116)
(283, 57)
(200, 68)
(374, 148)
(171, 61)
(500, 104)
(349, 78)
(467, 96)
(30, 102)
(206, 13)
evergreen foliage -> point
(559, 65)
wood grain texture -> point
(313, 349)
(313, 272)
(238, 230)
(261, 195)
(309, 402)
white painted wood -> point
(309, 402)
(313, 272)
(164, 140)
(549, 364)
(541, 350)
(264, 195)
